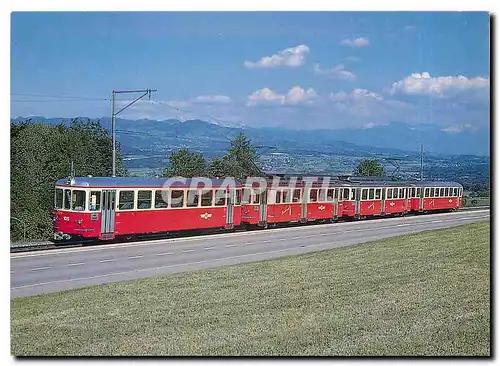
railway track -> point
(49, 245)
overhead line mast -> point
(114, 114)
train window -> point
(58, 199)
(220, 197)
(455, 192)
(353, 194)
(237, 198)
(389, 193)
(329, 195)
(460, 190)
(126, 200)
(426, 192)
(402, 193)
(256, 196)
(246, 196)
(364, 194)
(395, 193)
(193, 198)
(378, 193)
(296, 195)
(144, 200)
(336, 193)
(417, 192)
(67, 199)
(371, 194)
(177, 198)
(345, 193)
(78, 200)
(287, 196)
(278, 196)
(313, 195)
(441, 192)
(446, 192)
(207, 197)
(322, 195)
(95, 201)
(161, 199)
(436, 192)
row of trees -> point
(240, 161)
(41, 154)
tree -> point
(218, 168)
(369, 167)
(41, 154)
(241, 159)
(185, 163)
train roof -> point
(139, 182)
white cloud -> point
(356, 94)
(424, 84)
(337, 71)
(289, 57)
(294, 96)
(409, 28)
(212, 99)
(459, 128)
(356, 43)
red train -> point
(105, 208)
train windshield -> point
(78, 200)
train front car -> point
(104, 207)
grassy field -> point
(418, 294)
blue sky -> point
(295, 70)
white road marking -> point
(230, 235)
(168, 253)
(263, 242)
(188, 250)
(40, 268)
(135, 257)
(106, 260)
(229, 245)
(209, 248)
(436, 221)
(75, 264)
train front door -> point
(108, 215)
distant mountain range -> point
(158, 137)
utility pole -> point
(114, 114)
(421, 162)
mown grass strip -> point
(418, 294)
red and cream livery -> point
(104, 208)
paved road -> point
(62, 269)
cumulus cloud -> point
(356, 94)
(289, 57)
(338, 72)
(441, 86)
(294, 96)
(212, 99)
(356, 43)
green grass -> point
(418, 294)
